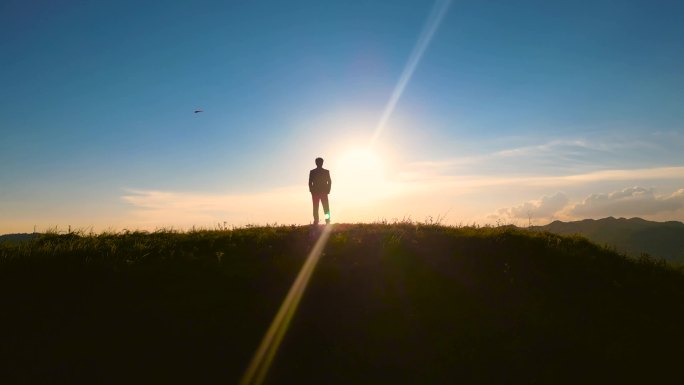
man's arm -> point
(310, 181)
(328, 181)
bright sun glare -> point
(358, 175)
(361, 163)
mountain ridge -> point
(633, 236)
(18, 237)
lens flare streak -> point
(436, 15)
(258, 367)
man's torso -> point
(319, 181)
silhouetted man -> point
(319, 186)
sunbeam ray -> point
(258, 367)
(436, 15)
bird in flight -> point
(199, 110)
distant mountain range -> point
(632, 236)
(18, 237)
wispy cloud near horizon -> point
(563, 157)
(629, 202)
(473, 199)
(632, 201)
(184, 209)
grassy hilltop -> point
(394, 304)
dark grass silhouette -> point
(400, 304)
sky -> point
(463, 112)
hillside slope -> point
(399, 304)
(632, 236)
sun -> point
(359, 175)
(361, 163)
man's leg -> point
(315, 198)
(326, 207)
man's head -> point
(319, 162)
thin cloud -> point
(182, 209)
(633, 201)
(628, 202)
(546, 207)
(418, 193)
(432, 179)
(558, 153)
(564, 156)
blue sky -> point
(515, 111)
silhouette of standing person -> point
(319, 186)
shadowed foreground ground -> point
(399, 304)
